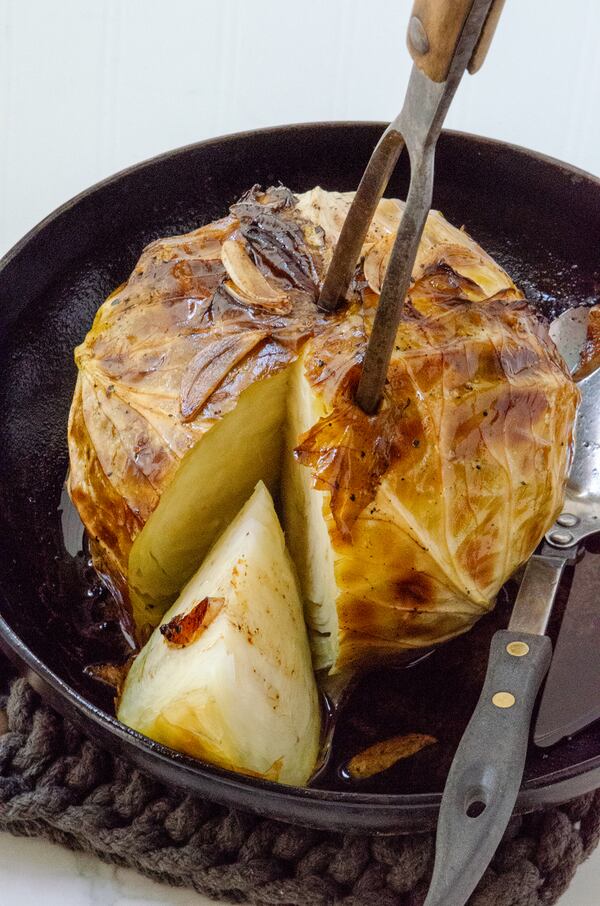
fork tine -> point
(356, 225)
(396, 283)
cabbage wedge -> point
(228, 677)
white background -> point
(90, 86)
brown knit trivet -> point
(57, 783)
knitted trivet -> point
(57, 783)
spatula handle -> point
(486, 773)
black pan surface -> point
(541, 220)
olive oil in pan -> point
(96, 614)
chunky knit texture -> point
(56, 783)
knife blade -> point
(571, 697)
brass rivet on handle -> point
(518, 649)
(503, 700)
(417, 35)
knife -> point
(486, 773)
(571, 697)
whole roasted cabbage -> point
(403, 525)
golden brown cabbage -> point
(169, 355)
(432, 503)
(418, 514)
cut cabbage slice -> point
(227, 677)
(305, 520)
(212, 483)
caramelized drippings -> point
(383, 755)
(185, 628)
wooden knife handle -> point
(434, 30)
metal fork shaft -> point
(362, 210)
(417, 126)
(395, 285)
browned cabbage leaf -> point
(426, 507)
(434, 501)
(202, 317)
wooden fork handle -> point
(435, 28)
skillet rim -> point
(333, 810)
(14, 250)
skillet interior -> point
(539, 218)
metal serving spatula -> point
(486, 773)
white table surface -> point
(33, 871)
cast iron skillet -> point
(538, 217)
